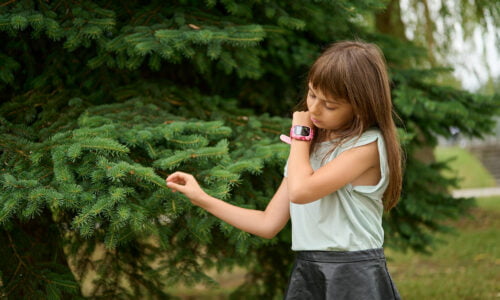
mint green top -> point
(348, 219)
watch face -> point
(301, 130)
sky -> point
(476, 59)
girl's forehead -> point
(316, 91)
(325, 96)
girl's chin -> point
(325, 128)
(319, 125)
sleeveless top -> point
(349, 219)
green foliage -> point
(101, 101)
(41, 272)
(104, 179)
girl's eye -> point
(330, 107)
(312, 95)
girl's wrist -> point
(302, 118)
(204, 200)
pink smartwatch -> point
(302, 133)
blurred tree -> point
(450, 31)
(100, 100)
(431, 29)
(492, 86)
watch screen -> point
(301, 130)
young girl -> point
(344, 169)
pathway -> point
(478, 192)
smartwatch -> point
(301, 133)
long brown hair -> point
(356, 72)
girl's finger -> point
(177, 177)
(174, 186)
(172, 176)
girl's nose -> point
(313, 107)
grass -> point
(465, 266)
(465, 166)
(227, 283)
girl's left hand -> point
(186, 184)
(302, 118)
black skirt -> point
(341, 275)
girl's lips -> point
(314, 121)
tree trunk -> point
(389, 21)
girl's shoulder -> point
(372, 132)
(371, 135)
(335, 147)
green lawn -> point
(465, 166)
(465, 266)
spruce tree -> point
(101, 100)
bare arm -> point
(307, 185)
(356, 165)
(265, 224)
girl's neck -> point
(332, 135)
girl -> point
(344, 169)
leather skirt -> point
(339, 275)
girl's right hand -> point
(186, 184)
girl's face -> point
(330, 114)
